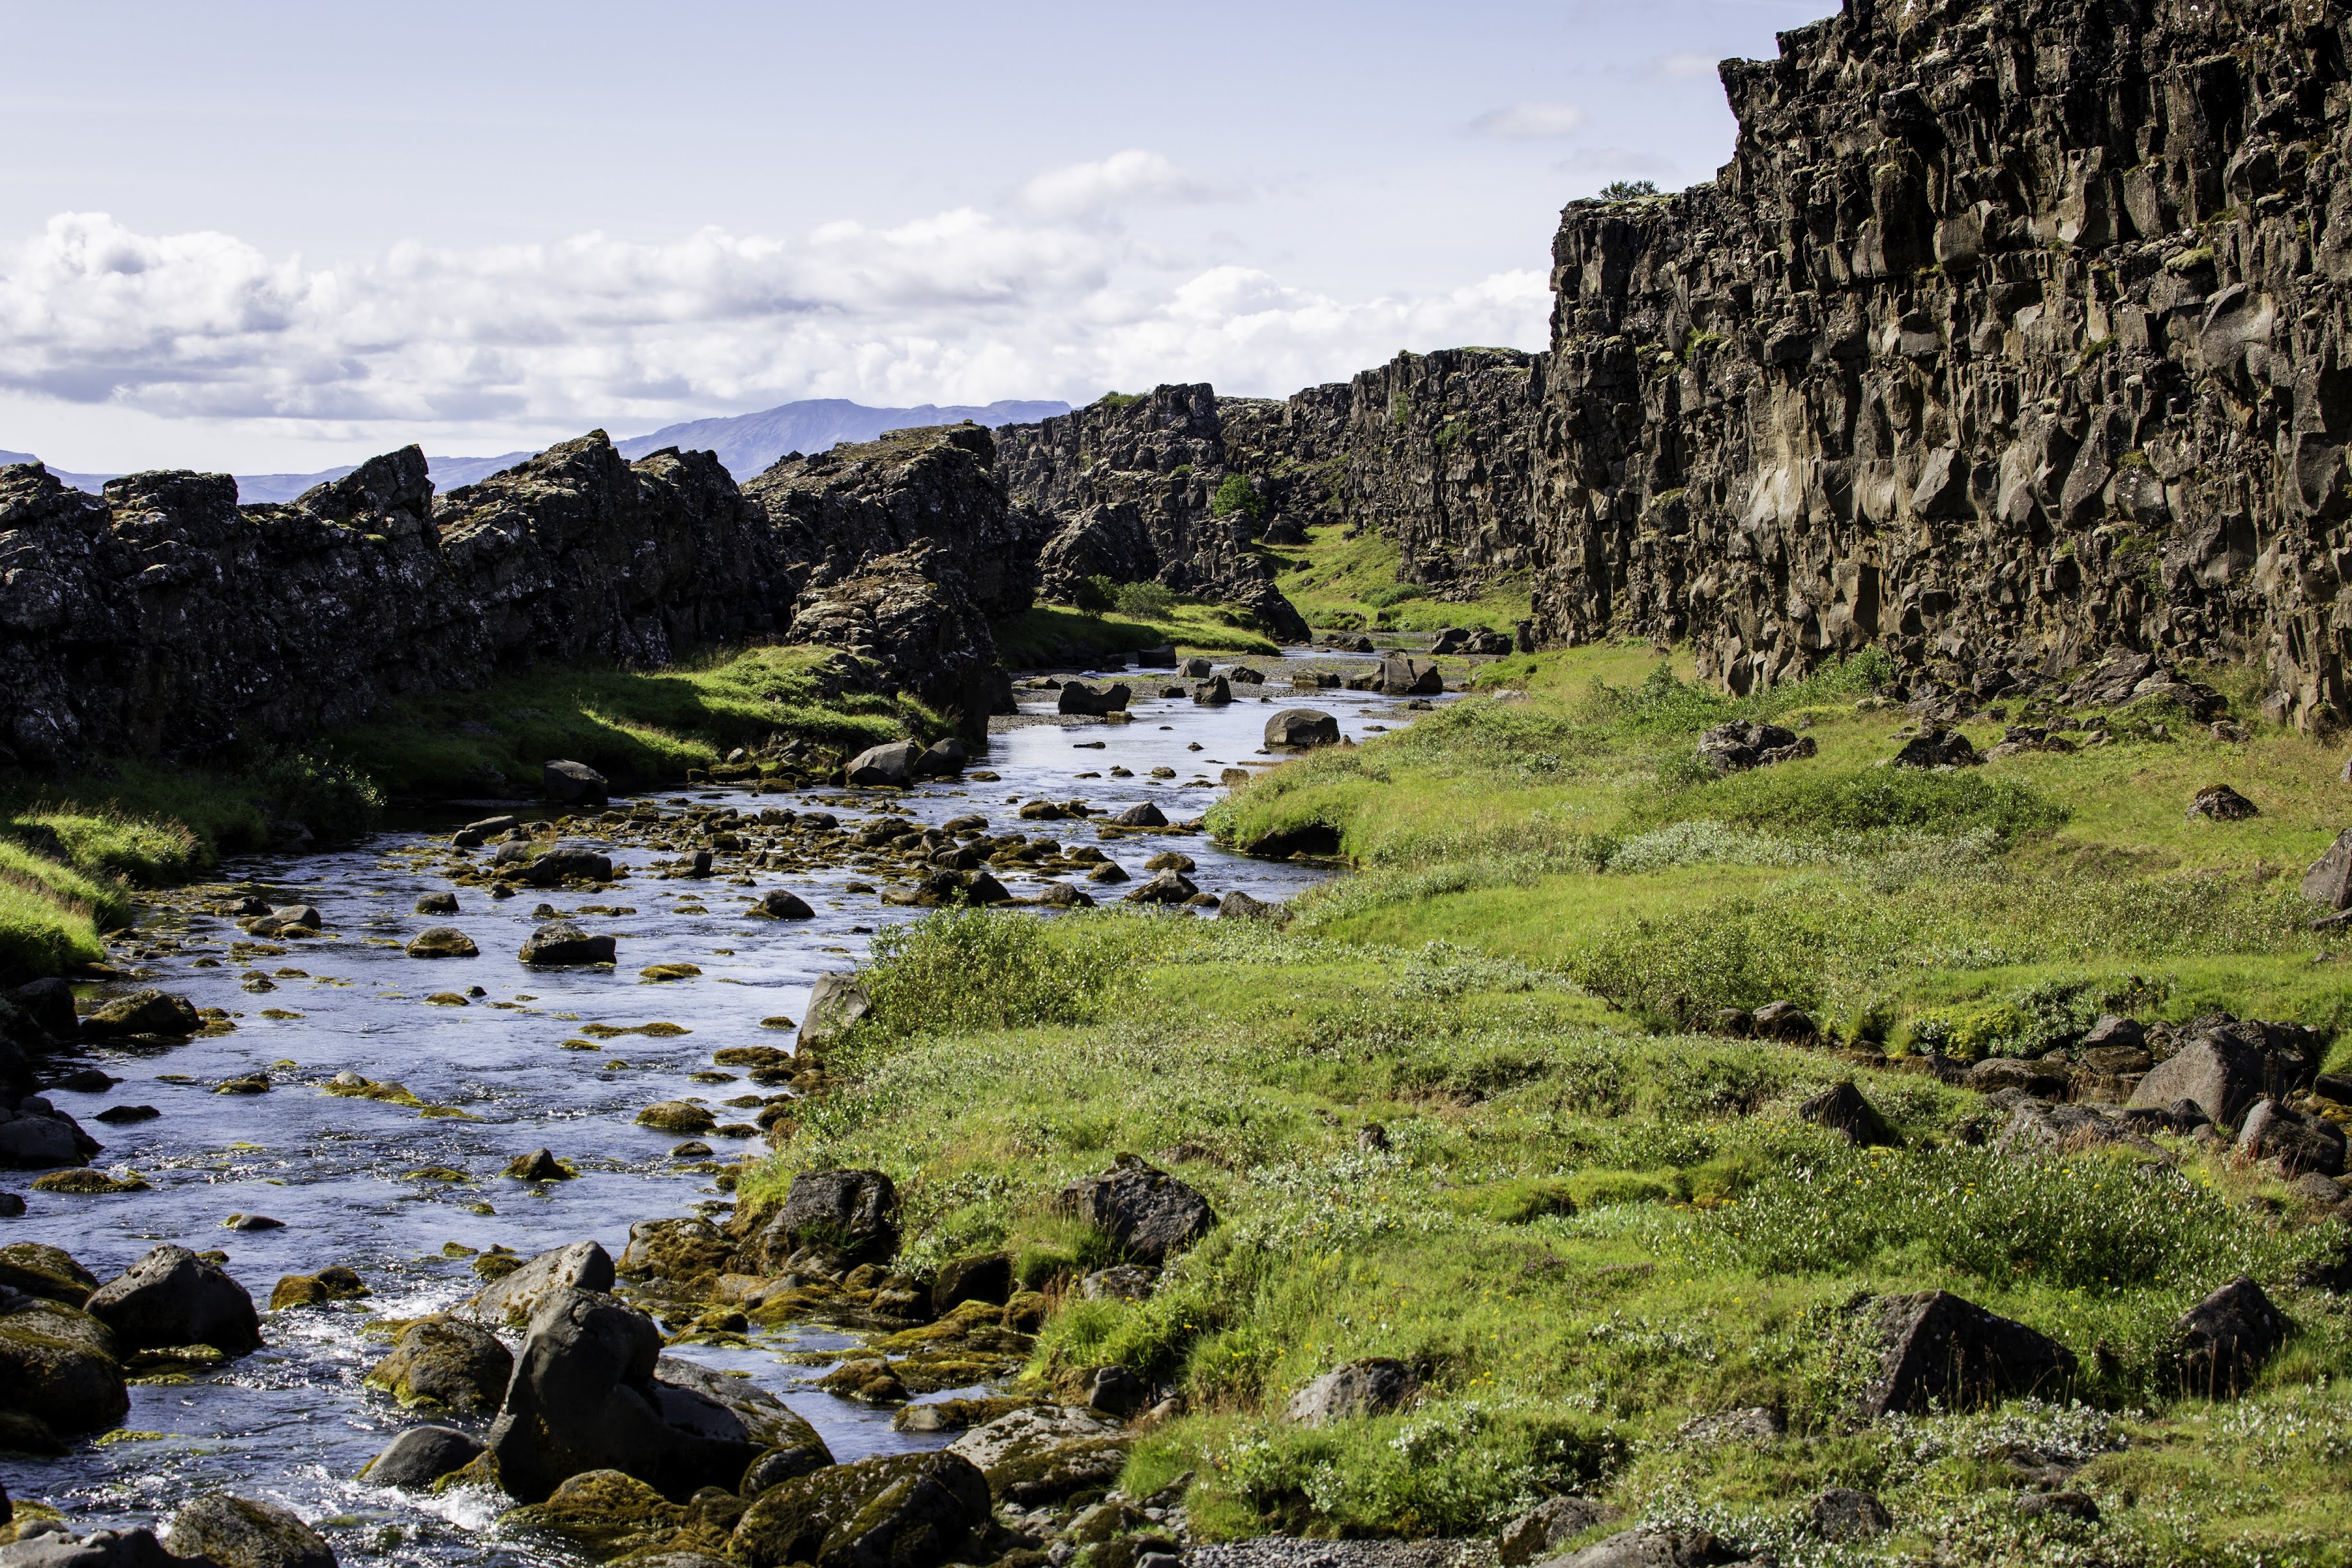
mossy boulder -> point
(335, 1283)
(1045, 1453)
(682, 1250)
(909, 1510)
(682, 1117)
(606, 1513)
(446, 1363)
(441, 941)
(239, 1532)
(48, 1272)
(59, 1368)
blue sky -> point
(279, 237)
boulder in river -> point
(172, 1297)
(906, 1511)
(943, 758)
(1167, 888)
(780, 905)
(1214, 692)
(48, 1002)
(421, 1456)
(437, 904)
(1143, 814)
(48, 1272)
(1403, 676)
(539, 1166)
(1148, 1212)
(441, 941)
(1299, 729)
(581, 1265)
(565, 863)
(446, 1363)
(60, 1368)
(142, 1012)
(591, 1392)
(562, 944)
(681, 1118)
(37, 1136)
(886, 765)
(239, 1532)
(1045, 1452)
(1077, 697)
(575, 783)
(681, 1250)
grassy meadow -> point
(1457, 1113)
(1352, 584)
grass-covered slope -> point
(1351, 584)
(1055, 634)
(1581, 1236)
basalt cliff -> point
(2011, 335)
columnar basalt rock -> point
(2011, 335)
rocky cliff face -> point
(1126, 488)
(164, 620)
(2011, 335)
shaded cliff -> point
(2009, 335)
(161, 618)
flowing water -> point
(292, 1422)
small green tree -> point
(1628, 190)
(1094, 595)
(1236, 494)
(1146, 601)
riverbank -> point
(1477, 1112)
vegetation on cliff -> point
(1347, 579)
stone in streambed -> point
(682, 1117)
(239, 1532)
(1301, 728)
(48, 1272)
(563, 944)
(330, 1284)
(437, 904)
(60, 1368)
(575, 783)
(173, 1297)
(446, 1363)
(144, 1012)
(908, 1511)
(582, 1265)
(441, 941)
(421, 1456)
(539, 1166)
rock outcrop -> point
(2009, 335)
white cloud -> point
(1684, 67)
(1529, 122)
(962, 306)
(1134, 176)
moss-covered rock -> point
(1045, 1453)
(239, 1532)
(61, 1368)
(45, 1271)
(682, 1117)
(910, 1510)
(446, 1363)
(603, 1512)
(335, 1283)
(685, 1251)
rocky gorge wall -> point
(163, 620)
(2011, 335)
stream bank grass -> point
(1581, 1237)
(1351, 584)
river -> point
(292, 1424)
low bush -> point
(966, 971)
(1145, 601)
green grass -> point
(1352, 584)
(635, 727)
(1580, 1237)
(1058, 634)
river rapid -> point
(292, 1424)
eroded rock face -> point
(2007, 337)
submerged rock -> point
(421, 1456)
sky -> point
(268, 238)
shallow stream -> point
(292, 1422)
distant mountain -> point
(746, 442)
(749, 443)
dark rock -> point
(539, 1165)
(2329, 879)
(421, 1456)
(172, 1297)
(1239, 906)
(1400, 676)
(852, 1213)
(780, 905)
(987, 1277)
(1115, 1391)
(1651, 1546)
(562, 944)
(1937, 747)
(1995, 1074)
(1148, 1212)
(1843, 1109)
(441, 941)
(1941, 1349)
(2297, 1142)
(2224, 1067)
(1045, 1453)
(838, 1001)
(1743, 744)
(1077, 697)
(50, 1273)
(446, 1364)
(1062, 896)
(1783, 1021)
(777, 1465)
(564, 863)
(908, 1511)
(1371, 1387)
(943, 758)
(1214, 692)
(60, 1369)
(2112, 1032)
(49, 1004)
(681, 1250)
(437, 904)
(239, 1532)
(1143, 814)
(1300, 729)
(2228, 1336)
(2222, 804)
(1844, 1515)
(1167, 888)
(37, 1136)
(100, 1549)
(893, 763)
(575, 783)
(143, 1011)
(1544, 1529)
(509, 1302)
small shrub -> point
(1628, 190)
(1236, 494)
(1096, 595)
(330, 797)
(1146, 601)
(1395, 593)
